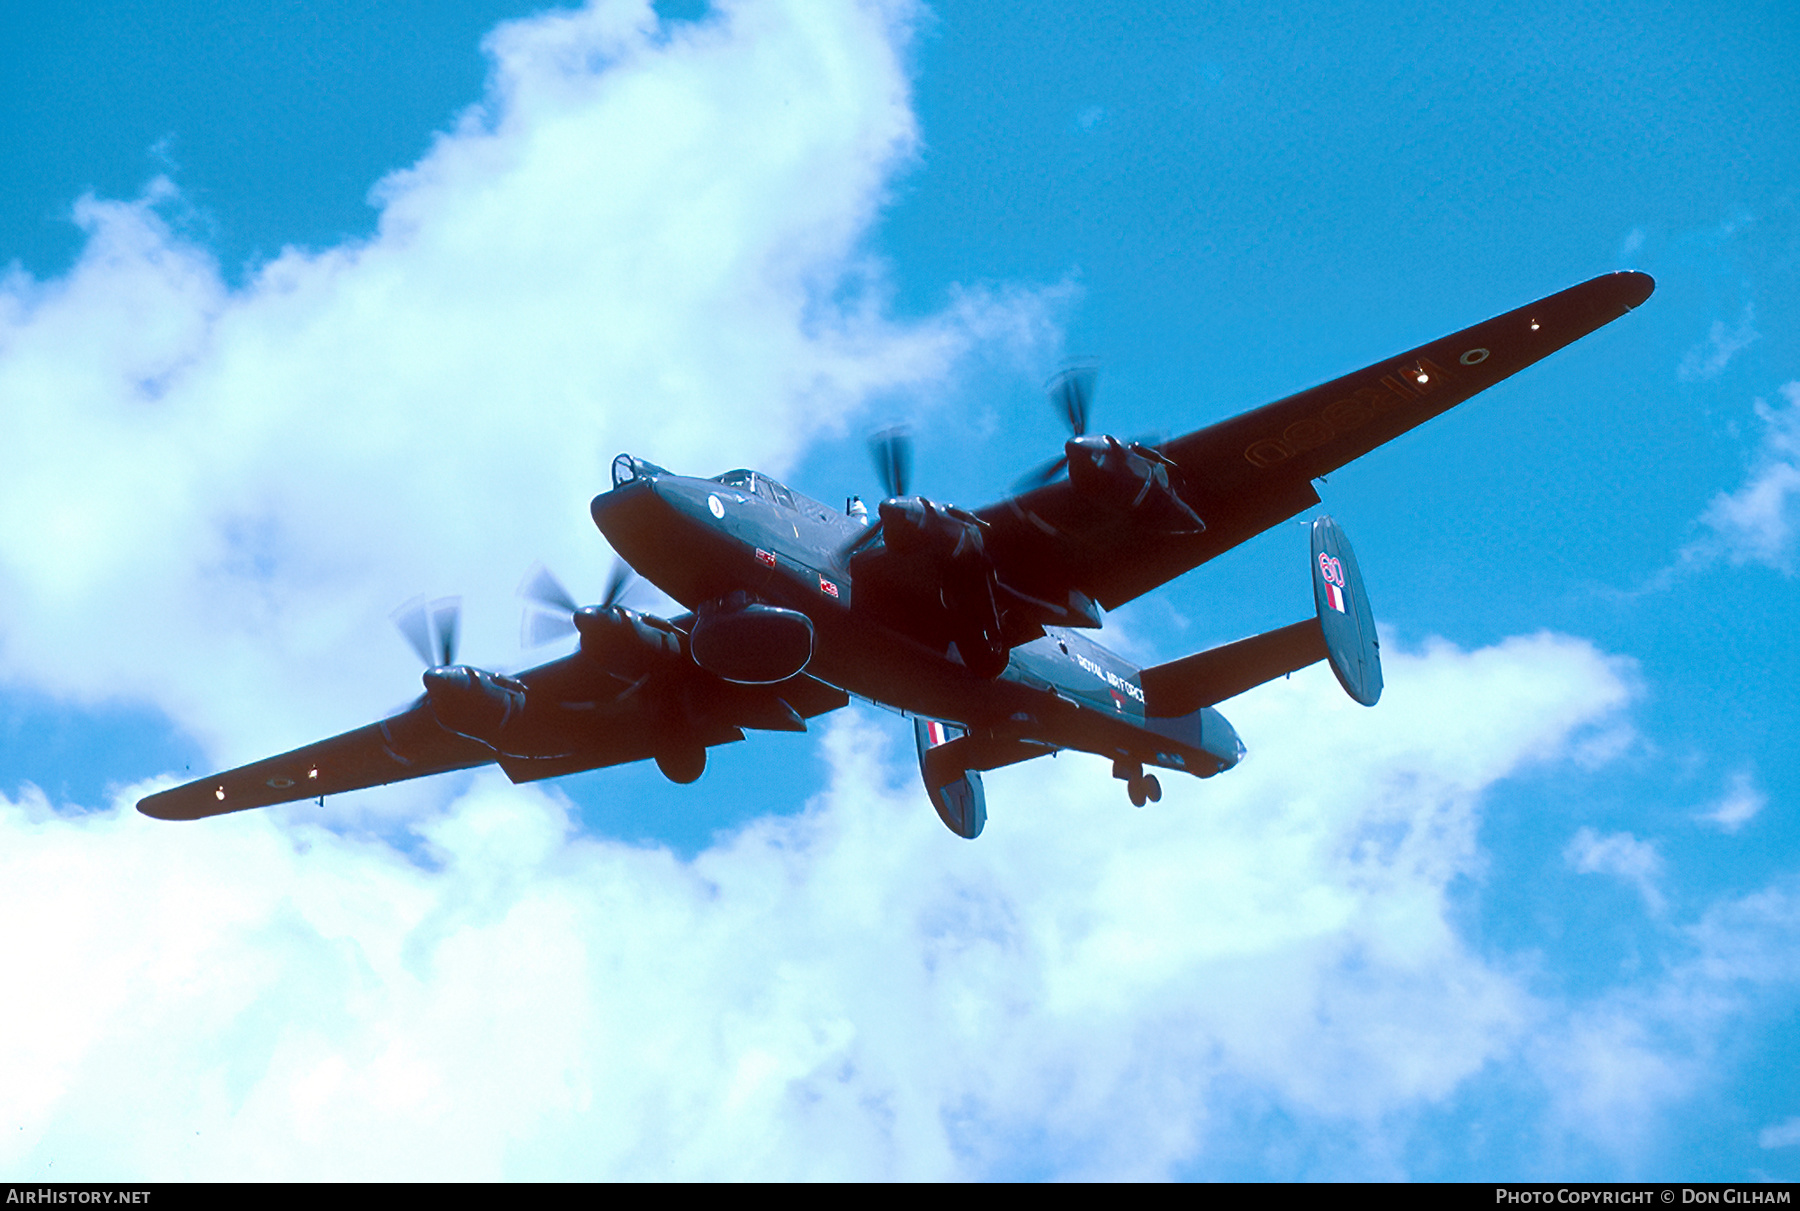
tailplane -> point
(1341, 632)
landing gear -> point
(1143, 788)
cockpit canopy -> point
(758, 484)
(626, 469)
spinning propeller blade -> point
(618, 581)
(541, 587)
(892, 451)
(446, 620)
(431, 628)
(550, 608)
(1071, 392)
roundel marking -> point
(279, 783)
(718, 510)
(1474, 357)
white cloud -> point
(1742, 801)
(1088, 990)
(1708, 359)
(652, 239)
(1785, 1134)
(1615, 1066)
(1758, 522)
(645, 238)
(1620, 854)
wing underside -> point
(1253, 471)
(409, 745)
(579, 716)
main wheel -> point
(1137, 790)
(982, 656)
(1152, 788)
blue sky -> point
(309, 312)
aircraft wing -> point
(579, 716)
(1244, 475)
(409, 745)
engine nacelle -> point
(624, 641)
(912, 525)
(951, 539)
(474, 702)
(1130, 479)
(749, 642)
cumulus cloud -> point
(1785, 1134)
(645, 237)
(1619, 854)
(1088, 990)
(1708, 359)
(1757, 523)
(1613, 1066)
(1741, 803)
(651, 238)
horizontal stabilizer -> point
(1183, 686)
(1343, 632)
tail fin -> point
(1344, 616)
(1343, 632)
(955, 790)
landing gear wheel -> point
(1138, 791)
(1152, 788)
(981, 656)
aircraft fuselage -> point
(704, 540)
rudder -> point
(1345, 619)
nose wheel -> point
(1141, 787)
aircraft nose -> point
(627, 498)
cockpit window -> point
(626, 469)
(759, 485)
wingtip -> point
(160, 807)
(1638, 286)
(190, 802)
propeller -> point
(431, 628)
(1071, 392)
(550, 610)
(892, 451)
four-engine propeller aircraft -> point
(972, 622)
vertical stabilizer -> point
(1344, 616)
(954, 790)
